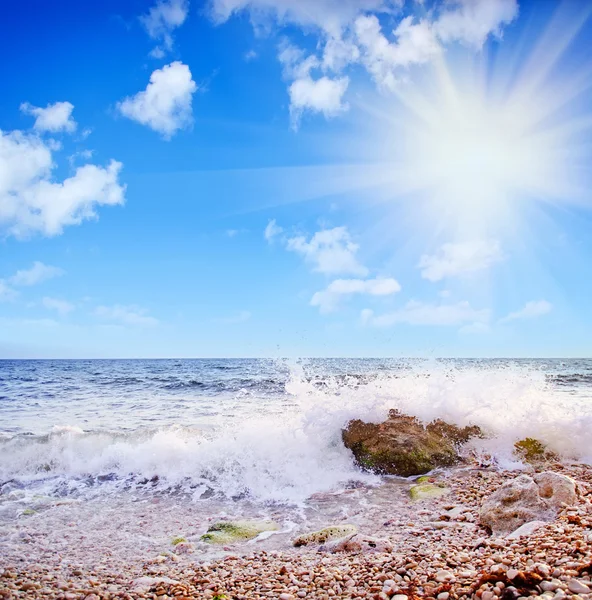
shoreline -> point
(438, 548)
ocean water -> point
(263, 432)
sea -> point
(253, 437)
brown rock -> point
(402, 445)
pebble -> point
(577, 587)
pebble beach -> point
(439, 550)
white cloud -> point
(7, 294)
(331, 16)
(53, 118)
(453, 260)
(416, 44)
(323, 95)
(165, 104)
(272, 230)
(239, 317)
(472, 21)
(250, 55)
(328, 299)
(32, 202)
(162, 19)
(420, 313)
(350, 32)
(61, 306)
(531, 310)
(126, 315)
(38, 273)
(331, 251)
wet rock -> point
(325, 535)
(524, 499)
(533, 451)
(360, 544)
(227, 532)
(402, 445)
(426, 491)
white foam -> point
(293, 453)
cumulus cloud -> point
(328, 299)
(161, 20)
(272, 230)
(531, 310)
(453, 260)
(331, 16)
(330, 251)
(38, 273)
(473, 21)
(415, 44)
(350, 32)
(53, 118)
(31, 201)
(125, 315)
(60, 306)
(165, 104)
(420, 313)
(321, 95)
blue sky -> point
(295, 178)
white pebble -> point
(577, 587)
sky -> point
(285, 178)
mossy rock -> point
(29, 511)
(178, 540)
(425, 479)
(426, 491)
(402, 445)
(227, 532)
(327, 534)
(532, 450)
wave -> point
(289, 454)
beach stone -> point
(520, 505)
(402, 445)
(556, 488)
(327, 534)
(516, 502)
(359, 543)
(227, 532)
(143, 585)
(425, 491)
(526, 529)
(577, 587)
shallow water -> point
(261, 432)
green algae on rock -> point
(425, 491)
(178, 540)
(532, 450)
(327, 534)
(227, 532)
(402, 445)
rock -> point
(516, 502)
(184, 548)
(526, 529)
(143, 585)
(227, 532)
(577, 587)
(325, 535)
(527, 502)
(424, 491)
(556, 488)
(532, 451)
(178, 540)
(404, 446)
(358, 544)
